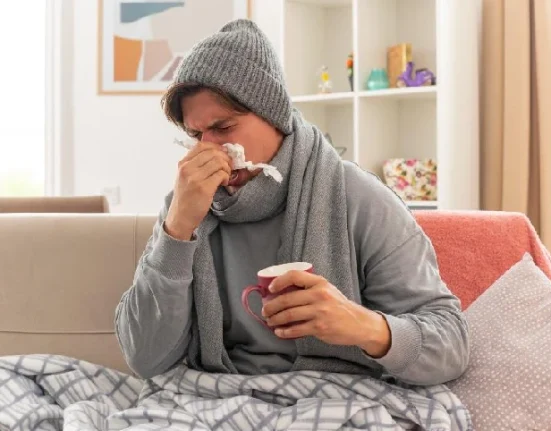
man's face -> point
(207, 119)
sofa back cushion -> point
(62, 275)
(61, 279)
(474, 248)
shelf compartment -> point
(395, 128)
(335, 119)
(385, 23)
(316, 35)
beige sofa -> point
(54, 204)
(62, 275)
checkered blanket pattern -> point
(49, 392)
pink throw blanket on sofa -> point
(474, 248)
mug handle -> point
(245, 300)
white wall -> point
(121, 141)
(268, 15)
(111, 141)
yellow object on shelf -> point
(325, 85)
(398, 57)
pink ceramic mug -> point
(265, 277)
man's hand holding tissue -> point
(205, 167)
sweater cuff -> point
(173, 258)
(405, 346)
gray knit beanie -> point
(241, 61)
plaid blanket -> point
(48, 392)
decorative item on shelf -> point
(350, 70)
(340, 150)
(377, 80)
(325, 85)
(418, 78)
(397, 60)
(412, 179)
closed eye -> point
(222, 129)
(194, 135)
(215, 128)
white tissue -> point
(237, 154)
(186, 143)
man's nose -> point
(208, 136)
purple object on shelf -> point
(420, 77)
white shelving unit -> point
(430, 205)
(439, 122)
(426, 93)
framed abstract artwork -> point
(142, 42)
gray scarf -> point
(315, 229)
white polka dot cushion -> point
(507, 385)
